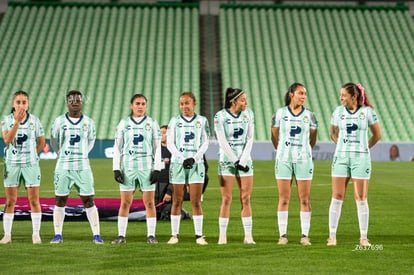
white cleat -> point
(173, 240)
(364, 242)
(331, 242)
(6, 239)
(249, 240)
(201, 241)
(36, 239)
(305, 241)
(282, 241)
(222, 240)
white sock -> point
(175, 224)
(93, 218)
(247, 226)
(223, 224)
(36, 220)
(151, 225)
(198, 225)
(305, 219)
(334, 215)
(122, 226)
(363, 218)
(282, 221)
(7, 223)
(58, 218)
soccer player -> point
(137, 163)
(350, 124)
(294, 130)
(187, 140)
(234, 128)
(72, 138)
(24, 137)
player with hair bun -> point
(187, 140)
(350, 124)
(234, 128)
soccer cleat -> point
(173, 240)
(36, 239)
(222, 240)
(119, 240)
(6, 239)
(305, 240)
(283, 240)
(97, 239)
(364, 242)
(249, 240)
(151, 239)
(331, 242)
(57, 239)
(201, 241)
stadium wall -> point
(263, 150)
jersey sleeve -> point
(55, 136)
(118, 143)
(221, 138)
(158, 164)
(171, 141)
(249, 140)
(204, 142)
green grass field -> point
(391, 232)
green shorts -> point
(14, 175)
(179, 175)
(227, 168)
(301, 170)
(355, 167)
(137, 178)
(81, 179)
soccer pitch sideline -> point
(391, 232)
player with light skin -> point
(72, 137)
(234, 128)
(136, 163)
(294, 131)
(24, 137)
(350, 124)
(187, 140)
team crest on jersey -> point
(362, 116)
(85, 127)
(148, 126)
(245, 118)
(306, 119)
(31, 126)
(198, 124)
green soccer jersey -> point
(22, 150)
(73, 139)
(136, 142)
(353, 130)
(187, 138)
(234, 133)
(294, 131)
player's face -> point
(74, 103)
(163, 135)
(187, 105)
(347, 100)
(21, 102)
(241, 103)
(299, 96)
(139, 107)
